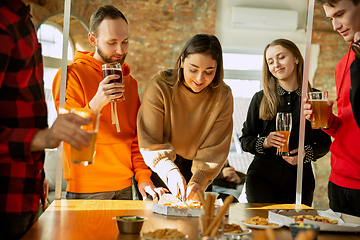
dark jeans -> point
(123, 194)
(184, 166)
(344, 200)
(14, 226)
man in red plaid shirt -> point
(24, 132)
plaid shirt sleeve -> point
(22, 110)
(22, 104)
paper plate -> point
(245, 232)
(261, 226)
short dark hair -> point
(104, 12)
(332, 2)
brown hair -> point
(271, 100)
(204, 44)
(104, 12)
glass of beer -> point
(86, 154)
(318, 101)
(283, 126)
(111, 69)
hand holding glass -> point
(112, 69)
(283, 126)
(319, 105)
(86, 154)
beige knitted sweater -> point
(193, 125)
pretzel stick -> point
(207, 211)
(270, 234)
(201, 197)
(212, 206)
(220, 214)
(215, 229)
(201, 223)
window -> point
(51, 39)
(243, 75)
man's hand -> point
(106, 92)
(149, 187)
(176, 183)
(45, 189)
(65, 128)
(308, 110)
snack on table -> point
(232, 228)
(167, 233)
(260, 221)
(192, 205)
(316, 218)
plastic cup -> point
(320, 116)
(85, 156)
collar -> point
(281, 91)
(19, 8)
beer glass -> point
(86, 154)
(283, 126)
(111, 69)
(318, 101)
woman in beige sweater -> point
(185, 120)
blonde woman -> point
(271, 178)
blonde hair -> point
(271, 100)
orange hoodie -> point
(117, 155)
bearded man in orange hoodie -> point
(117, 156)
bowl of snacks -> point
(129, 224)
(165, 233)
(309, 229)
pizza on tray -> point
(316, 218)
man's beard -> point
(108, 59)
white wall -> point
(255, 40)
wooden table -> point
(92, 219)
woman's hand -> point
(191, 192)
(274, 139)
(293, 160)
(176, 183)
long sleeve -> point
(213, 153)
(192, 125)
(22, 103)
(252, 138)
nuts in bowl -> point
(166, 233)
